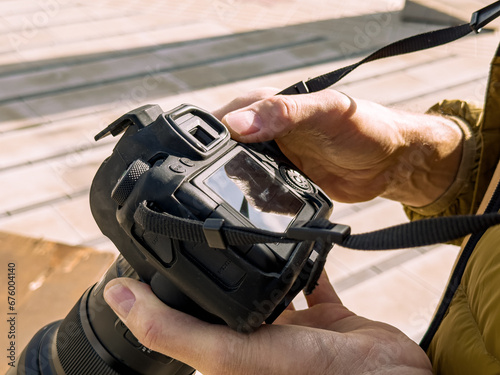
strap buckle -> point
(334, 234)
(212, 231)
(484, 16)
(297, 88)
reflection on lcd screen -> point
(253, 192)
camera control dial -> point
(295, 178)
(127, 181)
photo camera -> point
(172, 182)
(193, 214)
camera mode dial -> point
(295, 178)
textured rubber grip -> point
(127, 181)
(74, 348)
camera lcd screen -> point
(255, 193)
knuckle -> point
(284, 107)
(284, 111)
(149, 334)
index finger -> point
(323, 293)
(244, 101)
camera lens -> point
(92, 340)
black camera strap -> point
(217, 234)
(412, 44)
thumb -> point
(276, 116)
(264, 120)
(163, 329)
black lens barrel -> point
(91, 340)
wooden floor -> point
(68, 68)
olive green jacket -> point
(464, 337)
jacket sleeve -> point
(461, 197)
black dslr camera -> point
(173, 181)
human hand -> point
(354, 149)
(326, 338)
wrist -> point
(427, 164)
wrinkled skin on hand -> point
(326, 338)
(354, 149)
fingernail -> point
(244, 123)
(119, 298)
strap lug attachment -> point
(212, 231)
(484, 16)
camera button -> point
(187, 162)
(132, 339)
(295, 178)
(177, 168)
(160, 247)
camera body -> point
(183, 163)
